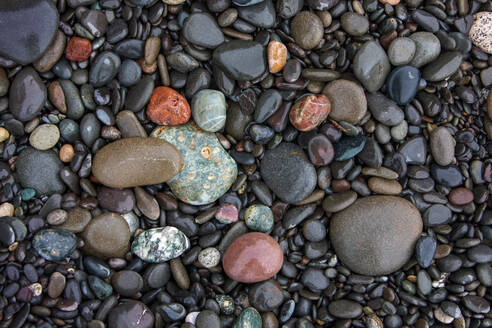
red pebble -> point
(253, 257)
(168, 107)
(460, 196)
(78, 49)
(308, 112)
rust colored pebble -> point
(253, 257)
(277, 56)
(339, 185)
(460, 196)
(308, 112)
(78, 49)
(168, 107)
(66, 153)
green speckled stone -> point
(160, 244)
(226, 303)
(101, 289)
(54, 244)
(249, 318)
(208, 108)
(259, 218)
(209, 170)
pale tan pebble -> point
(384, 186)
(66, 153)
(173, 2)
(481, 31)
(4, 134)
(325, 17)
(6, 209)
(44, 136)
(152, 47)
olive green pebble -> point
(259, 218)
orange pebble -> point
(168, 107)
(78, 49)
(66, 153)
(277, 56)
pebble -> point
(481, 32)
(425, 248)
(384, 186)
(51, 56)
(182, 62)
(159, 245)
(95, 22)
(371, 66)
(249, 318)
(27, 29)
(132, 162)
(129, 125)
(476, 304)
(4, 134)
(267, 105)
(320, 150)
(449, 176)
(104, 68)
(426, 20)
(436, 215)
(401, 51)
(217, 170)
(277, 56)
(376, 235)
(208, 109)
(345, 309)
(242, 60)
(6, 209)
(442, 146)
(427, 49)
(116, 200)
(168, 107)
(66, 153)
(209, 257)
(54, 244)
(202, 29)
(460, 196)
(402, 84)
(259, 218)
(27, 95)
(261, 14)
(56, 284)
(443, 67)
(207, 319)
(384, 109)
(130, 313)
(348, 101)
(129, 73)
(288, 173)
(307, 30)
(106, 236)
(78, 49)
(139, 94)
(252, 257)
(127, 283)
(348, 147)
(266, 296)
(44, 137)
(309, 112)
(77, 219)
(227, 213)
(414, 150)
(354, 24)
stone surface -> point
(132, 162)
(252, 257)
(309, 112)
(277, 56)
(348, 147)
(242, 60)
(354, 24)
(209, 171)
(104, 68)
(348, 101)
(208, 109)
(428, 48)
(160, 244)
(371, 66)
(54, 244)
(261, 14)
(307, 30)
(202, 29)
(78, 49)
(443, 67)
(130, 314)
(384, 109)
(27, 95)
(249, 318)
(442, 146)
(376, 235)
(168, 107)
(51, 56)
(44, 137)
(401, 51)
(259, 218)
(402, 84)
(481, 31)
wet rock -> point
(371, 66)
(160, 244)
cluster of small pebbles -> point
(245, 163)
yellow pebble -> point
(6, 209)
(4, 134)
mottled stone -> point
(160, 244)
(259, 218)
(249, 318)
(209, 171)
(208, 109)
(132, 162)
(54, 244)
(481, 31)
(277, 56)
(309, 112)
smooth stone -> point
(428, 48)
(7, 233)
(236, 121)
(95, 22)
(129, 73)
(289, 8)
(97, 267)
(54, 244)
(266, 296)
(104, 69)
(480, 254)
(242, 60)
(354, 24)
(345, 309)
(384, 186)
(261, 14)
(307, 30)
(259, 218)
(376, 235)
(443, 67)
(320, 150)
(27, 28)
(130, 314)
(402, 84)
(448, 176)
(460, 196)
(476, 304)
(208, 108)
(78, 218)
(384, 109)
(157, 275)
(182, 62)
(132, 162)
(246, 2)
(425, 248)
(39, 170)
(127, 283)
(401, 51)
(436, 215)
(160, 244)
(414, 151)
(339, 201)
(56, 285)
(442, 146)
(202, 29)
(139, 94)
(129, 125)
(252, 257)
(371, 154)
(44, 137)
(426, 20)
(348, 147)
(371, 66)
(288, 173)
(90, 129)
(207, 319)
(208, 172)
(348, 101)
(130, 48)
(209, 257)
(52, 54)
(27, 95)
(116, 200)
(268, 103)
(106, 236)
(309, 112)
(75, 106)
(249, 318)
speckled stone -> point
(209, 171)
(481, 31)
(208, 108)
(376, 235)
(209, 257)
(132, 162)
(54, 244)
(249, 318)
(160, 244)
(259, 218)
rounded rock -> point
(209, 257)
(259, 218)
(168, 107)
(45, 136)
(307, 30)
(160, 244)
(208, 108)
(481, 31)
(442, 146)
(309, 112)
(348, 101)
(78, 49)
(401, 51)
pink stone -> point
(227, 213)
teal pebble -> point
(259, 218)
(69, 130)
(348, 147)
(101, 289)
(54, 244)
(249, 318)
(208, 108)
(27, 194)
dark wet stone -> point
(202, 29)
(127, 283)
(129, 73)
(27, 28)
(117, 31)
(476, 304)
(266, 296)
(443, 67)
(437, 215)
(97, 267)
(345, 309)
(315, 280)
(371, 66)
(372, 154)
(207, 319)
(348, 147)
(354, 24)
(384, 109)
(95, 22)
(54, 244)
(425, 250)
(139, 94)
(414, 150)
(242, 60)
(288, 173)
(75, 107)
(104, 68)
(480, 254)
(289, 8)
(182, 62)
(448, 176)
(402, 84)
(268, 103)
(261, 14)
(172, 312)
(99, 287)
(116, 200)
(27, 94)
(7, 234)
(90, 128)
(236, 121)
(426, 20)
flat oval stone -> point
(384, 109)
(443, 67)
(253, 257)
(241, 59)
(208, 172)
(160, 244)
(309, 112)
(307, 29)
(104, 68)
(208, 108)
(401, 51)
(54, 244)
(371, 66)
(202, 29)
(442, 146)
(427, 49)
(27, 28)
(261, 14)
(376, 235)
(348, 101)
(402, 84)
(44, 137)
(27, 94)
(249, 318)
(132, 162)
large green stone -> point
(209, 170)
(160, 244)
(54, 244)
(249, 318)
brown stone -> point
(339, 185)
(489, 104)
(384, 186)
(460, 196)
(57, 96)
(52, 54)
(133, 162)
(277, 56)
(129, 125)
(348, 101)
(253, 257)
(107, 235)
(116, 200)
(78, 49)
(56, 284)
(78, 218)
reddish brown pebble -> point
(78, 49)
(253, 257)
(168, 107)
(277, 56)
(460, 196)
(309, 112)
(339, 185)
(227, 213)
(320, 150)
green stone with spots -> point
(259, 218)
(226, 304)
(54, 244)
(249, 318)
(160, 244)
(209, 170)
